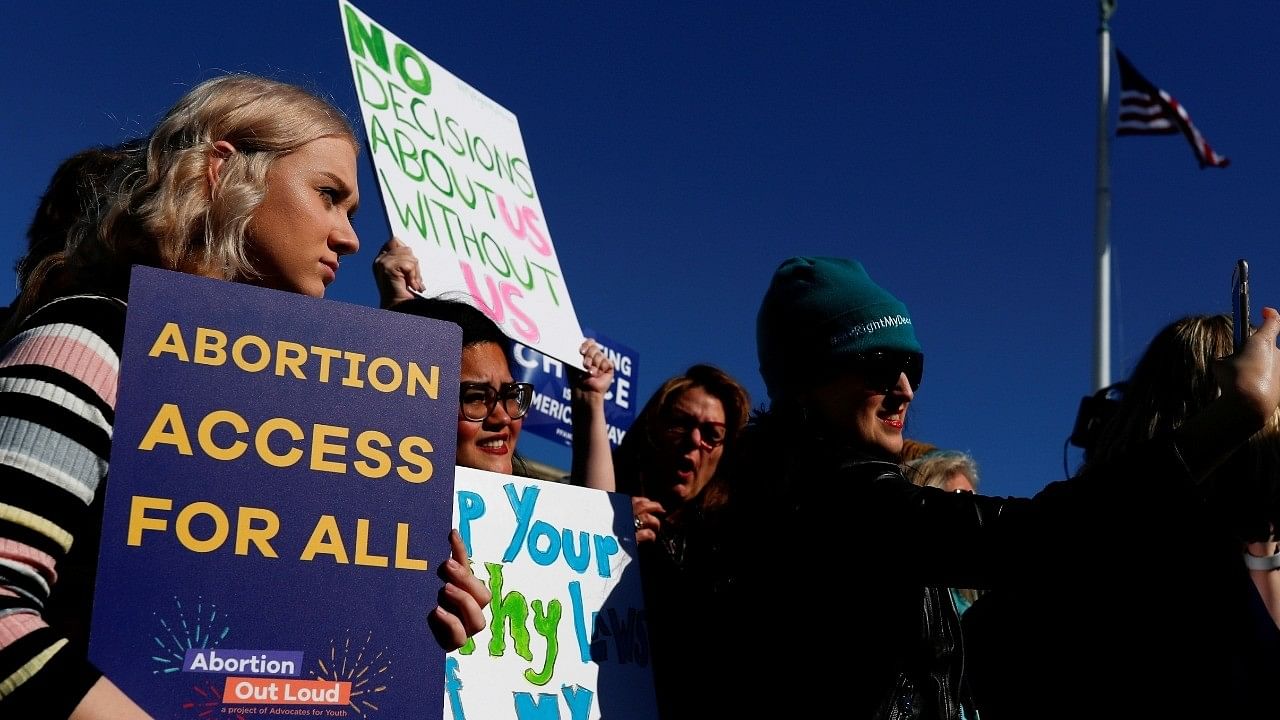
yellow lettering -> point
(290, 356)
(259, 536)
(237, 353)
(402, 550)
(396, 375)
(167, 428)
(221, 527)
(353, 369)
(262, 437)
(327, 540)
(418, 379)
(204, 435)
(319, 448)
(423, 464)
(169, 341)
(362, 547)
(138, 520)
(211, 347)
(325, 354)
(365, 446)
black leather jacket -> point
(931, 683)
(872, 614)
(835, 551)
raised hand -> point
(599, 371)
(396, 271)
(1252, 377)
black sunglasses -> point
(477, 399)
(881, 368)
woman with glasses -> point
(668, 463)
(669, 459)
(833, 547)
(491, 405)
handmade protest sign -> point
(551, 415)
(280, 496)
(567, 637)
(458, 188)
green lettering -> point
(359, 37)
(421, 84)
(547, 626)
(510, 606)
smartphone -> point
(1240, 304)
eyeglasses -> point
(711, 435)
(477, 399)
(882, 368)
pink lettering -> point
(525, 227)
(524, 325)
(542, 245)
(501, 298)
(494, 311)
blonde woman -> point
(244, 179)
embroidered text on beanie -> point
(818, 310)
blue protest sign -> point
(280, 495)
(551, 416)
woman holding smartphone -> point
(826, 522)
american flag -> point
(1147, 110)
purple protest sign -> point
(280, 495)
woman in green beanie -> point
(820, 503)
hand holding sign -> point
(463, 599)
(397, 272)
(593, 384)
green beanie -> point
(819, 310)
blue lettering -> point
(579, 701)
(470, 507)
(522, 505)
(546, 707)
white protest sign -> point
(457, 186)
(567, 637)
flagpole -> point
(1102, 210)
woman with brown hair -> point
(668, 460)
(669, 463)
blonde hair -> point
(163, 212)
(915, 449)
(934, 467)
(1172, 382)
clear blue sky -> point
(681, 150)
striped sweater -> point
(58, 378)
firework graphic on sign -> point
(188, 626)
(206, 701)
(366, 668)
